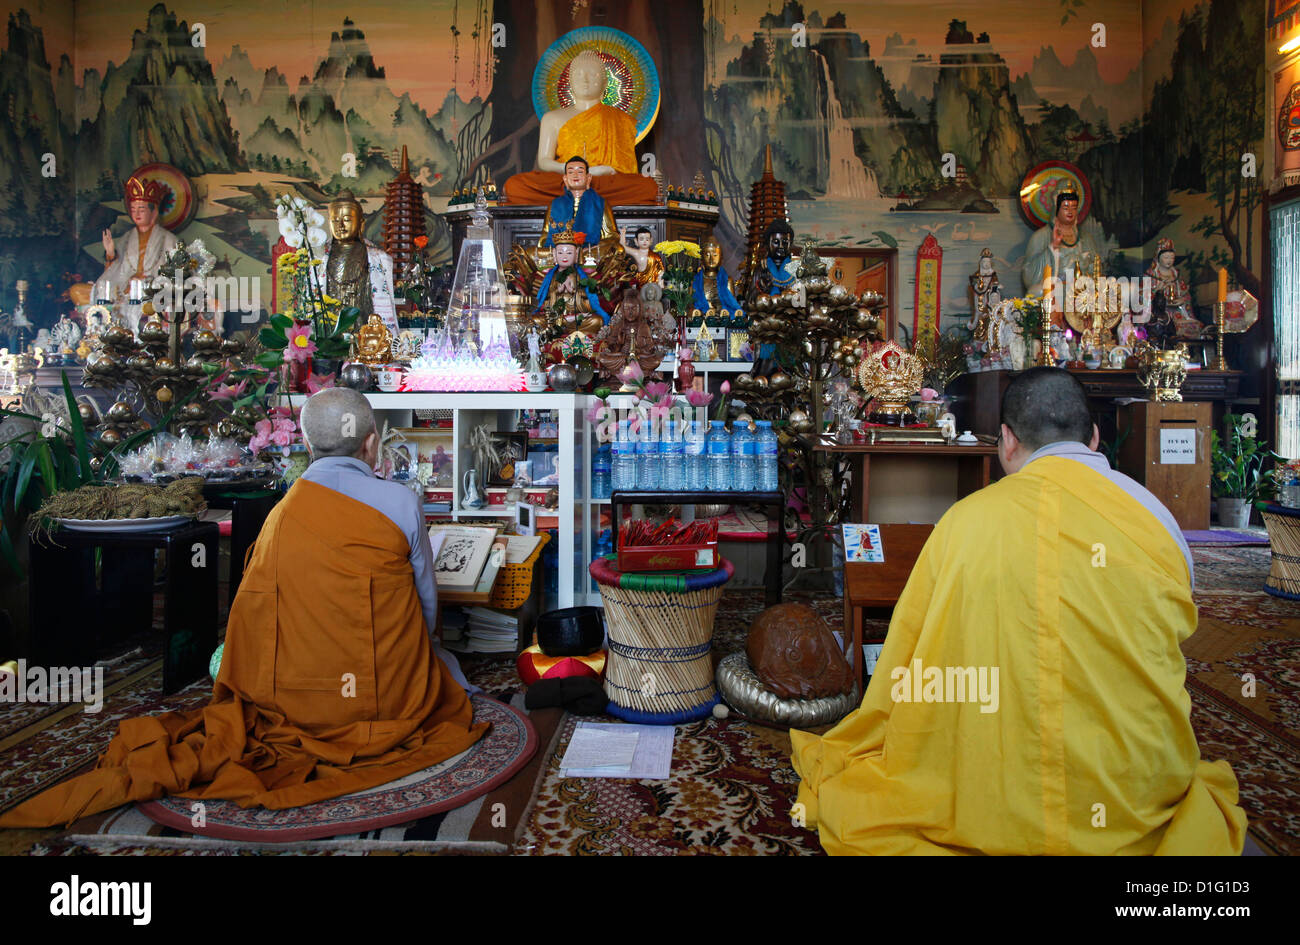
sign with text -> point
(1178, 446)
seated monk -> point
(1070, 584)
(329, 684)
(602, 134)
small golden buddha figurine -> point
(374, 342)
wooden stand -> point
(1184, 487)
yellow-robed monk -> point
(1030, 695)
(329, 683)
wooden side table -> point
(74, 620)
(879, 584)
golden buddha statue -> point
(374, 342)
(357, 273)
(602, 135)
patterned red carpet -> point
(731, 783)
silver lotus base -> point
(744, 692)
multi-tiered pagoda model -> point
(403, 217)
(766, 203)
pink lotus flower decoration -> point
(596, 412)
(228, 392)
(632, 374)
(316, 383)
(655, 390)
(726, 388)
(685, 354)
(301, 347)
(660, 407)
(928, 394)
(698, 398)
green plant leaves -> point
(271, 339)
(282, 322)
(79, 441)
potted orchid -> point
(315, 325)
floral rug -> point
(732, 784)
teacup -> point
(388, 378)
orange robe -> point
(328, 684)
(600, 135)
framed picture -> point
(431, 451)
(512, 447)
(866, 270)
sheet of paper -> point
(597, 748)
(652, 761)
(1178, 446)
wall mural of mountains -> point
(860, 117)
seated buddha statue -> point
(602, 135)
(638, 333)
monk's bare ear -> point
(1096, 438)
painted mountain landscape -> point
(888, 121)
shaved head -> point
(1047, 405)
(336, 422)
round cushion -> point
(744, 692)
(533, 665)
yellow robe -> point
(328, 684)
(1090, 749)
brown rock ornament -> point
(794, 654)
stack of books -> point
(486, 630)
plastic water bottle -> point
(718, 451)
(624, 461)
(601, 473)
(604, 545)
(767, 457)
(647, 461)
(672, 457)
(743, 458)
(697, 478)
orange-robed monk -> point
(329, 683)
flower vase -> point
(296, 374)
(685, 375)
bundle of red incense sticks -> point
(671, 546)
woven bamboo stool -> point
(660, 626)
(1283, 525)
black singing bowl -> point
(573, 631)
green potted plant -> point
(1238, 464)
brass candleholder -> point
(1220, 326)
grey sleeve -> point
(422, 562)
